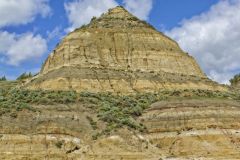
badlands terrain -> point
(118, 89)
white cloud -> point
(15, 12)
(140, 8)
(55, 33)
(214, 39)
(80, 12)
(15, 49)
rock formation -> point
(195, 128)
(194, 118)
(177, 130)
(119, 53)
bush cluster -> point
(92, 122)
(18, 99)
(25, 76)
(115, 110)
(119, 111)
(3, 78)
(235, 79)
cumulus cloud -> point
(55, 33)
(213, 38)
(80, 12)
(15, 12)
(15, 48)
(140, 8)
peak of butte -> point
(119, 53)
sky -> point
(209, 30)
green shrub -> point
(59, 144)
(96, 135)
(3, 78)
(19, 99)
(92, 122)
(235, 79)
(25, 76)
(115, 110)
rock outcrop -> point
(177, 130)
(119, 53)
(195, 128)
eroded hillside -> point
(117, 89)
(119, 53)
(178, 124)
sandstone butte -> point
(119, 53)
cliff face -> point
(195, 128)
(118, 40)
(177, 130)
(119, 53)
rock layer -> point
(119, 53)
(117, 45)
(177, 130)
(195, 128)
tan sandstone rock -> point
(177, 130)
(119, 53)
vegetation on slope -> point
(115, 110)
(25, 76)
(235, 79)
(7, 85)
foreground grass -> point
(115, 110)
(6, 85)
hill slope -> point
(117, 89)
(191, 124)
(119, 53)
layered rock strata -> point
(177, 130)
(119, 53)
(118, 81)
(64, 132)
(195, 128)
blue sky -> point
(30, 29)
